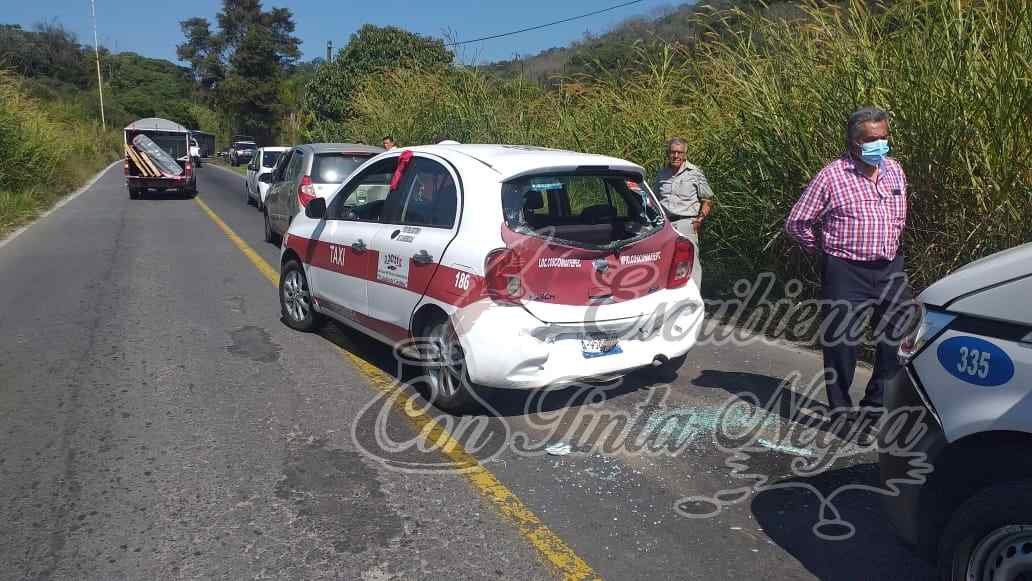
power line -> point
(493, 36)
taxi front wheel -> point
(990, 536)
(296, 299)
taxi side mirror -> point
(316, 209)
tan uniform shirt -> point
(681, 193)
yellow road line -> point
(556, 553)
(259, 262)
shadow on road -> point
(764, 388)
(504, 402)
(790, 513)
(166, 196)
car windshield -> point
(269, 158)
(332, 168)
(246, 146)
(593, 209)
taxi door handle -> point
(422, 257)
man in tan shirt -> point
(683, 191)
(685, 195)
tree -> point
(203, 50)
(49, 51)
(371, 50)
(240, 66)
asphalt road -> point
(157, 419)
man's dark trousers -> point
(854, 291)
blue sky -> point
(152, 28)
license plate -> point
(600, 346)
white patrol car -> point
(969, 368)
(522, 267)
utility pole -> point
(96, 52)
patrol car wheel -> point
(450, 387)
(989, 538)
(296, 299)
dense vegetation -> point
(51, 138)
(762, 100)
(329, 100)
(53, 66)
(47, 148)
(239, 67)
(621, 47)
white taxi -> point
(497, 265)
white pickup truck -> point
(157, 157)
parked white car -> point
(263, 162)
(195, 152)
(519, 267)
(968, 370)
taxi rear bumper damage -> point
(507, 347)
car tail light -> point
(503, 276)
(684, 261)
(188, 168)
(125, 164)
(305, 192)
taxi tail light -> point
(682, 264)
(305, 192)
(503, 276)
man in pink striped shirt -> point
(852, 217)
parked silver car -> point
(304, 173)
(242, 152)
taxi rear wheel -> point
(447, 379)
(989, 538)
(296, 299)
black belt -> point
(677, 217)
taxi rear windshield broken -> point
(592, 210)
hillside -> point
(613, 50)
(51, 137)
(54, 66)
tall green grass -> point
(46, 150)
(763, 103)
